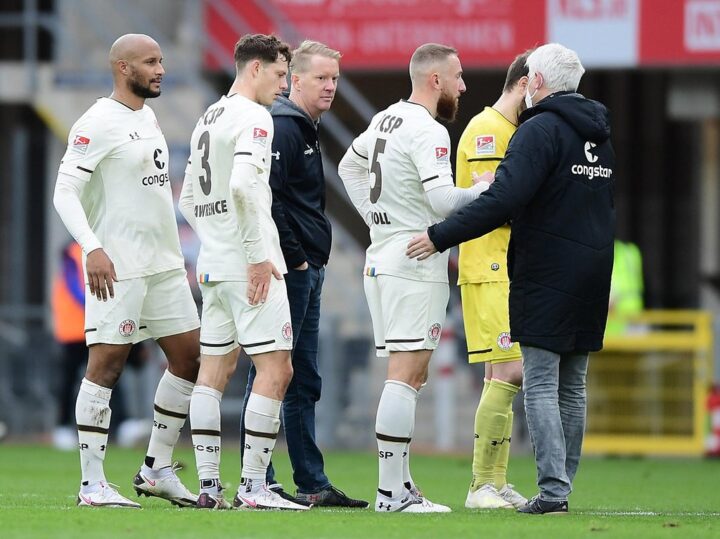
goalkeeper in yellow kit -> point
(484, 286)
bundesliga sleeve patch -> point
(80, 144)
(260, 136)
(485, 145)
(441, 156)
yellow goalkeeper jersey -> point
(482, 146)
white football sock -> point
(205, 430)
(92, 414)
(262, 422)
(393, 428)
(172, 402)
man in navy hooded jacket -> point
(298, 209)
(555, 186)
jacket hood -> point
(282, 106)
(590, 119)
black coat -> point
(555, 185)
(298, 186)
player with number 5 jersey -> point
(398, 176)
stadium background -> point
(654, 63)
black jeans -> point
(298, 410)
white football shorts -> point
(143, 308)
(407, 315)
(229, 321)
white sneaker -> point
(105, 496)
(509, 494)
(486, 497)
(409, 502)
(261, 497)
(166, 485)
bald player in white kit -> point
(398, 175)
(113, 195)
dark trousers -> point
(298, 408)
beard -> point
(142, 90)
(447, 107)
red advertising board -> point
(680, 32)
(382, 34)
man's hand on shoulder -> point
(101, 274)
(259, 276)
(420, 247)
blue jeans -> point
(555, 406)
(298, 408)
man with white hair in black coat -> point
(555, 186)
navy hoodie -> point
(298, 186)
(555, 185)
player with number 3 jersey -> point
(226, 198)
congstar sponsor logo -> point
(596, 171)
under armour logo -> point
(385, 505)
(499, 442)
(266, 450)
(276, 155)
(134, 135)
(309, 150)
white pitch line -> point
(648, 514)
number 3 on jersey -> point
(204, 146)
(375, 169)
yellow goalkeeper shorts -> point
(487, 323)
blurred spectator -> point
(626, 287)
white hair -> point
(560, 67)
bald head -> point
(136, 64)
(132, 46)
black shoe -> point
(330, 497)
(536, 506)
(277, 488)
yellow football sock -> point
(501, 464)
(491, 420)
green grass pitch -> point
(635, 498)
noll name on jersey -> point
(380, 218)
(211, 208)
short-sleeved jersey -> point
(408, 154)
(122, 155)
(233, 130)
(482, 146)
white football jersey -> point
(234, 129)
(408, 153)
(123, 156)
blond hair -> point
(300, 62)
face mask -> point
(529, 96)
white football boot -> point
(409, 502)
(509, 494)
(486, 497)
(164, 484)
(260, 497)
(105, 496)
